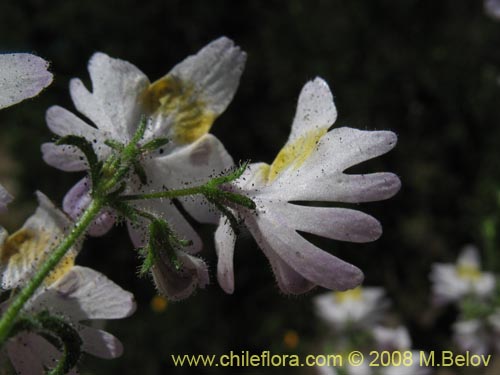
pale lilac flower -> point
(472, 335)
(391, 339)
(5, 199)
(79, 295)
(310, 167)
(22, 76)
(362, 306)
(76, 294)
(454, 281)
(480, 336)
(492, 8)
(181, 106)
(23, 251)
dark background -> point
(426, 69)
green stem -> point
(8, 319)
(169, 194)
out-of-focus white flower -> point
(5, 199)
(398, 339)
(479, 336)
(23, 251)
(310, 167)
(75, 294)
(181, 106)
(472, 335)
(492, 8)
(360, 306)
(453, 281)
(22, 76)
(392, 338)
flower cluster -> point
(475, 294)
(182, 106)
(143, 144)
(359, 320)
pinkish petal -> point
(65, 158)
(180, 284)
(314, 264)
(84, 294)
(22, 76)
(225, 238)
(76, 201)
(100, 343)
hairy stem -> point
(168, 194)
(9, 317)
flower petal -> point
(100, 343)
(65, 158)
(180, 284)
(225, 239)
(5, 199)
(76, 201)
(289, 280)
(215, 71)
(186, 101)
(24, 250)
(22, 76)
(114, 105)
(492, 8)
(337, 187)
(331, 222)
(319, 267)
(315, 109)
(84, 294)
(30, 353)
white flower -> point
(76, 294)
(23, 251)
(492, 8)
(79, 295)
(472, 335)
(310, 167)
(22, 76)
(360, 306)
(392, 338)
(181, 106)
(5, 199)
(453, 281)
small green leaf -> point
(154, 144)
(140, 172)
(141, 129)
(117, 146)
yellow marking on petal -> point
(355, 294)
(295, 153)
(170, 96)
(468, 272)
(291, 339)
(159, 304)
(29, 247)
(15, 247)
(62, 269)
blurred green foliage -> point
(426, 69)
